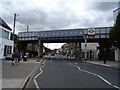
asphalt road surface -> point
(58, 72)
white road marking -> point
(106, 81)
(40, 72)
(35, 82)
(116, 86)
(51, 59)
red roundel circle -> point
(91, 31)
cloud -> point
(57, 14)
(104, 6)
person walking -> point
(15, 57)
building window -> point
(7, 50)
(5, 34)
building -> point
(92, 52)
(6, 45)
(115, 12)
(117, 51)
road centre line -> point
(35, 82)
(95, 75)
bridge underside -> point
(103, 42)
(72, 40)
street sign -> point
(91, 31)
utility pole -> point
(27, 28)
(14, 26)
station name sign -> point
(61, 33)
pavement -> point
(109, 64)
(17, 76)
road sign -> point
(91, 31)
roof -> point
(116, 9)
(2, 23)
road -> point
(64, 73)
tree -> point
(47, 50)
(115, 33)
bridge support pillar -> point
(75, 50)
(80, 52)
(40, 50)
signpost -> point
(85, 47)
(91, 31)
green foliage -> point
(115, 33)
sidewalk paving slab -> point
(109, 64)
(17, 76)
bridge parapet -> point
(100, 32)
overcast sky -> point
(43, 15)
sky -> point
(42, 15)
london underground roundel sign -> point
(91, 31)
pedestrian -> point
(105, 55)
(15, 57)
